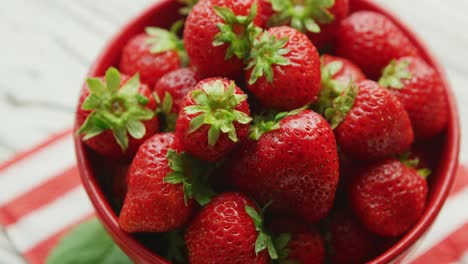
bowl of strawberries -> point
(259, 131)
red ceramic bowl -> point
(163, 13)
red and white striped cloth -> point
(41, 198)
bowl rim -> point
(137, 251)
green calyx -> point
(281, 244)
(120, 110)
(192, 174)
(266, 52)
(305, 15)
(215, 106)
(341, 105)
(270, 121)
(406, 159)
(336, 98)
(176, 248)
(264, 240)
(164, 111)
(330, 87)
(237, 31)
(188, 5)
(394, 74)
(162, 40)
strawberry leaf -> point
(303, 15)
(424, 172)
(162, 40)
(176, 249)
(215, 106)
(119, 110)
(239, 44)
(87, 243)
(341, 106)
(267, 51)
(188, 5)
(164, 110)
(192, 174)
(406, 159)
(281, 243)
(264, 240)
(270, 121)
(394, 74)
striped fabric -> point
(41, 198)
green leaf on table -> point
(87, 243)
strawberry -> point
(172, 88)
(419, 88)
(153, 54)
(115, 115)
(340, 70)
(319, 19)
(369, 122)
(296, 243)
(214, 117)
(348, 241)
(266, 11)
(284, 69)
(218, 34)
(337, 74)
(291, 161)
(371, 40)
(163, 184)
(228, 230)
(389, 196)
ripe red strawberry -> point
(389, 197)
(218, 34)
(228, 230)
(293, 163)
(319, 19)
(284, 69)
(337, 75)
(152, 54)
(214, 117)
(340, 70)
(419, 88)
(371, 40)
(171, 89)
(115, 115)
(370, 123)
(349, 242)
(161, 195)
(266, 11)
(296, 243)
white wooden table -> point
(46, 47)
